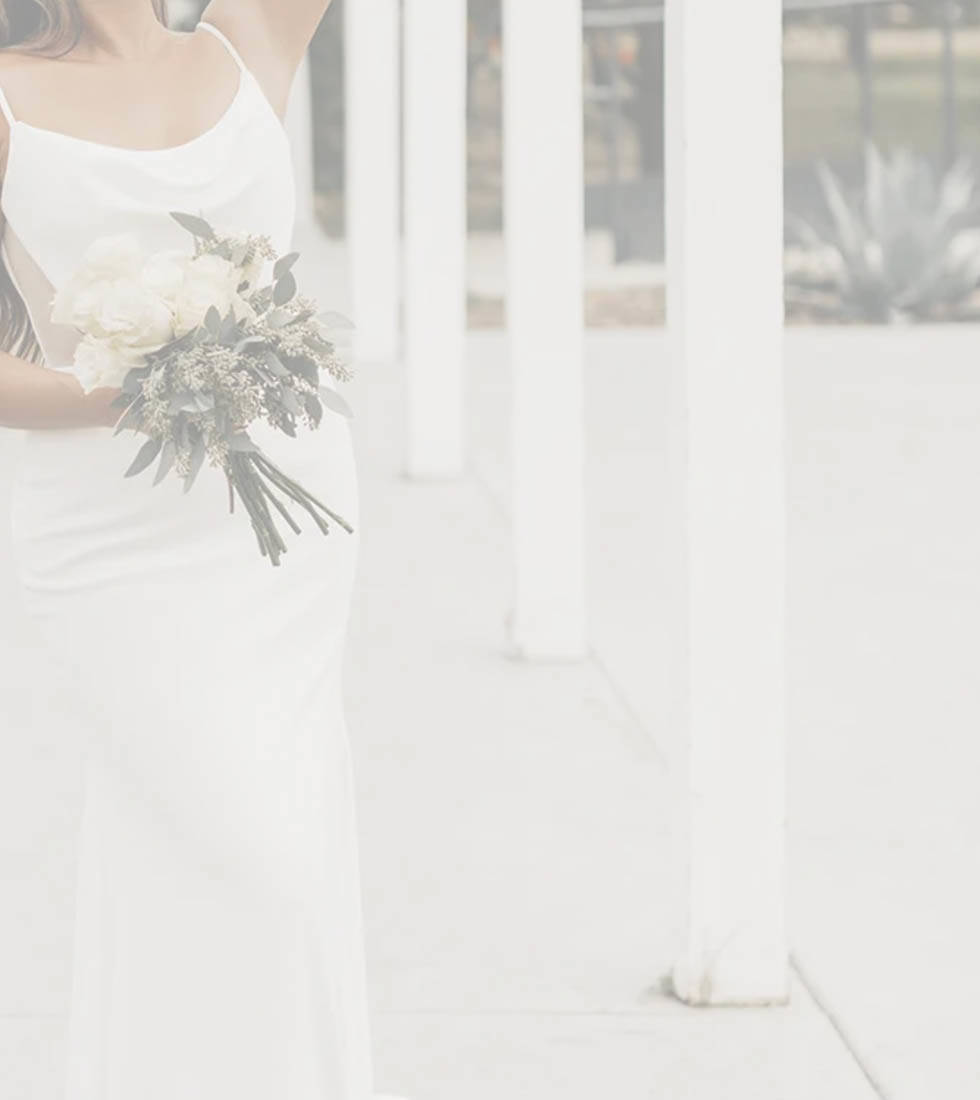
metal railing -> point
(633, 14)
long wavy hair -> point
(51, 28)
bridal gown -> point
(218, 951)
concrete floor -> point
(884, 601)
(520, 824)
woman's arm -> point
(35, 397)
(271, 36)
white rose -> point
(208, 281)
(113, 257)
(107, 262)
(121, 310)
(102, 363)
(130, 314)
(163, 273)
(76, 303)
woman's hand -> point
(101, 403)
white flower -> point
(122, 310)
(119, 293)
(208, 281)
(163, 273)
(104, 363)
(113, 257)
(133, 315)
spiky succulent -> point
(906, 247)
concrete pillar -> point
(372, 54)
(724, 234)
(435, 235)
(544, 185)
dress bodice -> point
(61, 193)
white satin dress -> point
(219, 945)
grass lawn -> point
(822, 108)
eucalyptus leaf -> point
(193, 224)
(182, 400)
(331, 319)
(198, 453)
(167, 455)
(229, 330)
(262, 299)
(275, 364)
(249, 342)
(306, 367)
(285, 289)
(278, 317)
(333, 400)
(324, 347)
(314, 408)
(290, 402)
(146, 454)
(284, 264)
(131, 417)
(212, 321)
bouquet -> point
(201, 351)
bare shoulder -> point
(21, 69)
(271, 37)
(24, 73)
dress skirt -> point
(218, 951)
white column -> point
(435, 234)
(543, 187)
(299, 126)
(724, 232)
(372, 55)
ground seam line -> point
(478, 478)
(629, 710)
(839, 1029)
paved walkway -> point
(520, 867)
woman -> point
(218, 947)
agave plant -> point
(905, 249)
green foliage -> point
(905, 249)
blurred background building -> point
(905, 76)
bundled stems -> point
(255, 478)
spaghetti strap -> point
(8, 114)
(223, 38)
